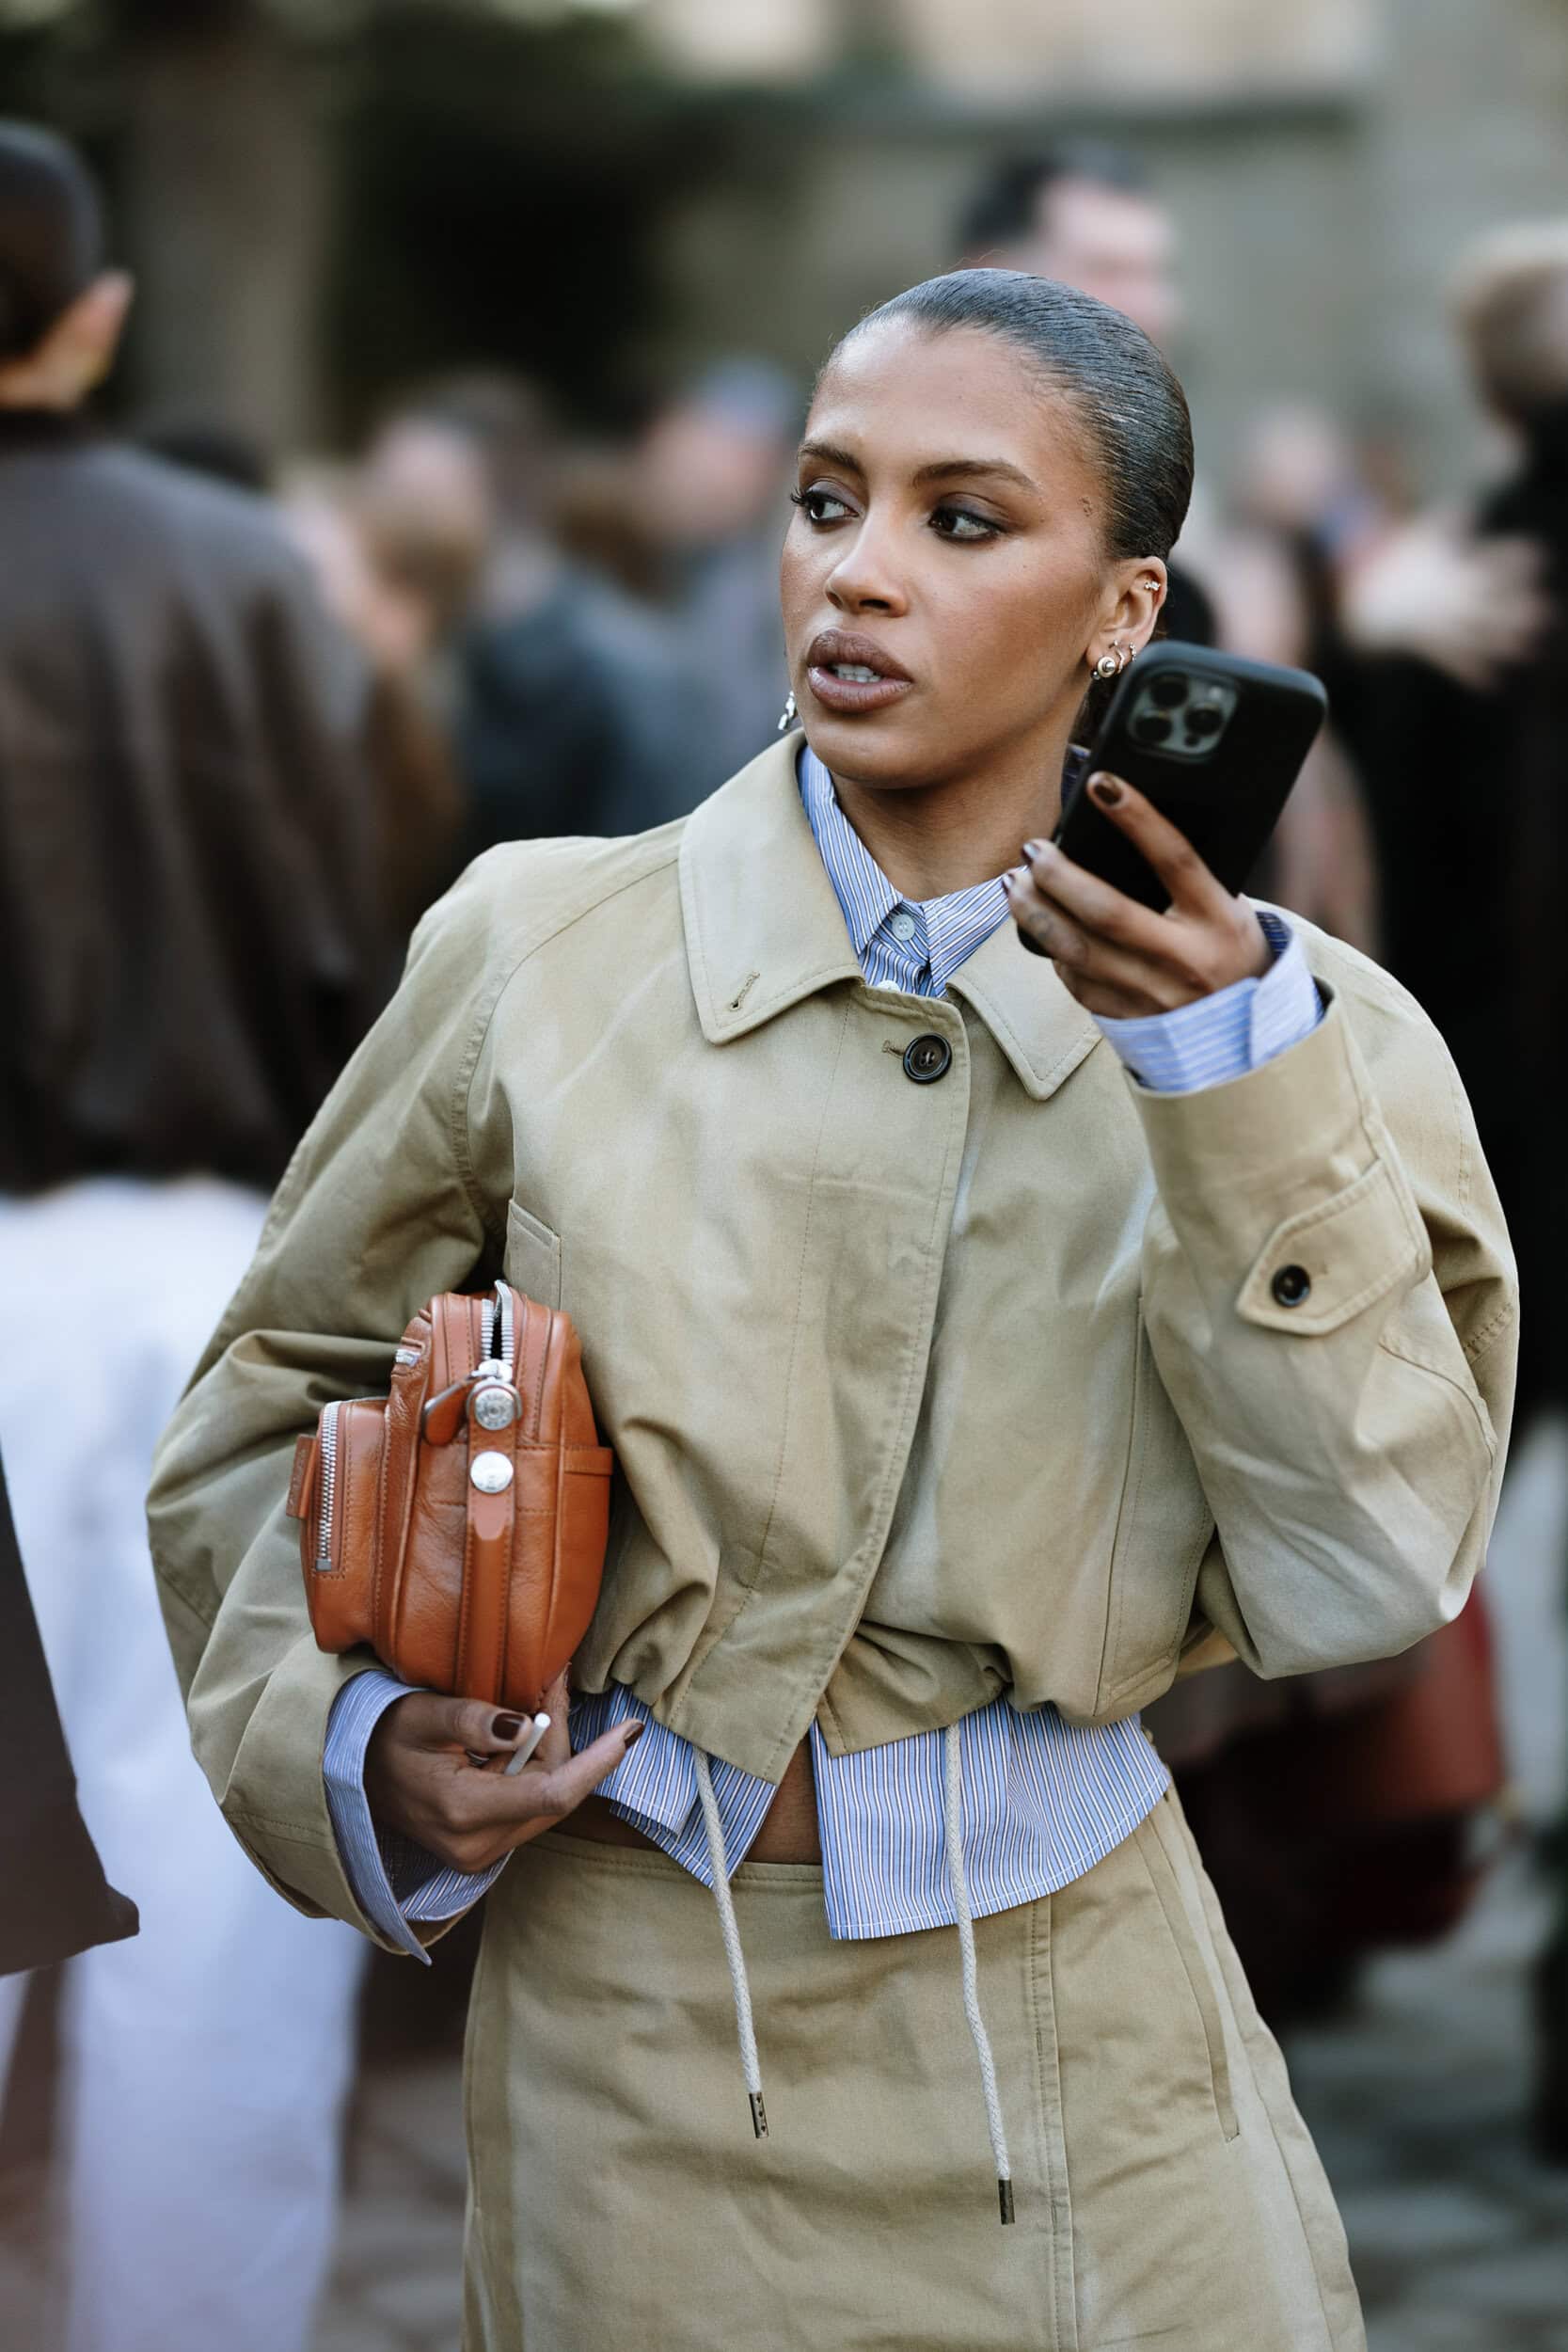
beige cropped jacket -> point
(1021, 1381)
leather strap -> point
(487, 1551)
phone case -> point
(1215, 742)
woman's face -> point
(943, 577)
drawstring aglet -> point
(1004, 2198)
(741, 1991)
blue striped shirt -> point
(1043, 1800)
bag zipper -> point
(328, 1483)
(509, 1334)
(328, 1433)
(329, 1422)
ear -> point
(79, 349)
(1131, 608)
(87, 337)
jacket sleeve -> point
(379, 1210)
(1330, 1302)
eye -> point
(821, 506)
(960, 524)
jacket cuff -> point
(1221, 1037)
(1287, 1173)
(275, 1796)
(401, 1885)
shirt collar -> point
(951, 927)
(860, 885)
(763, 929)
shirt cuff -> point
(396, 1881)
(1230, 1033)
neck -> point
(933, 839)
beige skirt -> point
(1167, 2191)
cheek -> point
(1023, 626)
(803, 564)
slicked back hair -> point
(1133, 411)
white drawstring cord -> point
(733, 1953)
(952, 1827)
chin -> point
(870, 751)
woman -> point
(960, 1382)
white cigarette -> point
(526, 1744)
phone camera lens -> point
(1205, 722)
(1149, 727)
(1168, 691)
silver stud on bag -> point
(496, 1406)
(490, 1472)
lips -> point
(849, 674)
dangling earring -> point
(786, 716)
(1113, 663)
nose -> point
(865, 579)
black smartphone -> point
(1214, 741)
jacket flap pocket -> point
(533, 1257)
(1329, 1263)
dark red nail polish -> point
(506, 1727)
(634, 1733)
(1106, 790)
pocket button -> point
(1291, 1285)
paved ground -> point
(1417, 2097)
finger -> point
(556, 1746)
(1093, 905)
(564, 1787)
(426, 1719)
(542, 1793)
(1093, 965)
(1192, 888)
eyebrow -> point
(940, 470)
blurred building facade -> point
(326, 197)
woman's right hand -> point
(421, 1776)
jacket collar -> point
(763, 929)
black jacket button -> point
(1290, 1285)
(927, 1059)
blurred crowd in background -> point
(496, 607)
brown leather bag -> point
(457, 1526)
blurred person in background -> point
(1471, 745)
(1295, 507)
(567, 702)
(1086, 213)
(191, 944)
(707, 485)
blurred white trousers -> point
(206, 2061)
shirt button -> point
(1290, 1285)
(927, 1059)
(902, 925)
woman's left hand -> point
(1119, 958)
